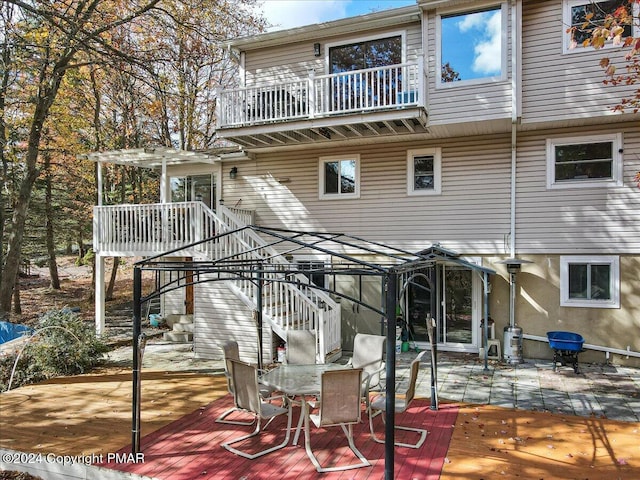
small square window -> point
(589, 281)
(593, 161)
(339, 177)
(575, 16)
(424, 171)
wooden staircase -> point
(147, 229)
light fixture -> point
(316, 49)
(233, 173)
(514, 264)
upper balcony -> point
(356, 104)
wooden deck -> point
(190, 448)
(91, 415)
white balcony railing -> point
(392, 86)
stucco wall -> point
(538, 309)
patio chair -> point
(340, 405)
(246, 396)
(301, 347)
(232, 352)
(368, 354)
(378, 404)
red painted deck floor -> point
(190, 448)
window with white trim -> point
(593, 161)
(590, 281)
(578, 13)
(339, 177)
(471, 45)
(424, 171)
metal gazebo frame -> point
(348, 254)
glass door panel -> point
(457, 314)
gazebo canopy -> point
(351, 256)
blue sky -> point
(471, 43)
(295, 13)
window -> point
(575, 15)
(314, 271)
(363, 75)
(472, 46)
(423, 171)
(194, 188)
(594, 161)
(365, 54)
(590, 281)
(339, 177)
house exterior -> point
(392, 127)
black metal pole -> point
(390, 407)
(137, 328)
(485, 330)
(433, 338)
(259, 284)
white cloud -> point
(284, 14)
(488, 52)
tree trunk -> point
(17, 306)
(54, 281)
(48, 90)
(112, 280)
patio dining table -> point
(298, 381)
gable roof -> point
(369, 21)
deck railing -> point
(392, 86)
(121, 230)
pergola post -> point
(137, 360)
(391, 286)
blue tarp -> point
(10, 331)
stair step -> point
(178, 318)
(183, 327)
(181, 337)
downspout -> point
(516, 27)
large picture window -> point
(339, 177)
(594, 161)
(366, 54)
(590, 281)
(577, 13)
(363, 73)
(472, 46)
(423, 171)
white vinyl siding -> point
(576, 220)
(220, 316)
(556, 86)
(295, 60)
(471, 214)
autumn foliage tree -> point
(616, 28)
(51, 52)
